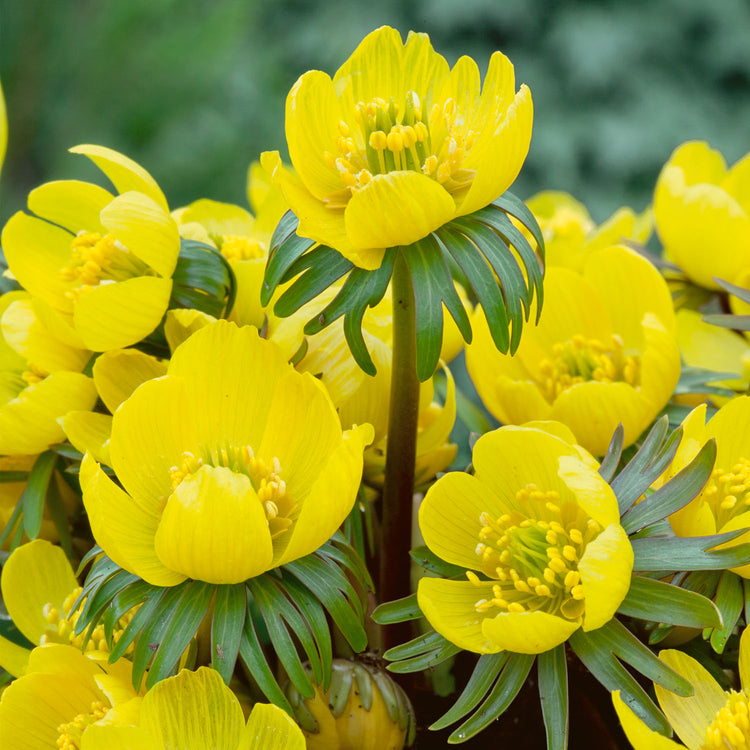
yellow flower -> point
(397, 144)
(197, 711)
(61, 695)
(39, 589)
(603, 353)
(710, 719)
(702, 214)
(104, 263)
(724, 503)
(570, 233)
(40, 378)
(232, 464)
(538, 531)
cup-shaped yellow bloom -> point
(398, 144)
(197, 711)
(103, 262)
(231, 464)
(570, 233)
(538, 532)
(724, 503)
(710, 719)
(61, 695)
(40, 378)
(604, 352)
(702, 213)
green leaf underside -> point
(427, 559)
(737, 291)
(286, 246)
(399, 610)
(647, 465)
(35, 491)
(698, 380)
(552, 671)
(736, 322)
(506, 688)
(730, 598)
(230, 609)
(605, 667)
(650, 599)
(676, 554)
(202, 280)
(611, 459)
(673, 495)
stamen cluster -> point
(728, 492)
(731, 727)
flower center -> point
(581, 360)
(534, 556)
(96, 260)
(277, 504)
(388, 137)
(731, 726)
(728, 492)
(66, 625)
(235, 247)
(70, 733)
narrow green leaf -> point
(13, 521)
(673, 495)
(730, 597)
(319, 268)
(689, 553)
(613, 676)
(144, 614)
(514, 206)
(286, 246)
(427, 660)
(230, 608)
(399, 610)
(552, 671)
(737, 291)
(650, 599)
(88, 557)
(98, 600)
(511, 680)
(183, 625)
(482, 281)
(419, 645)
(609, 463)
(122, 602)
(59, 516)
(13, 476)
(35, 491)
(735, 322)
(616, 638)
(427, 559)
(279, 616)
(253, 657)
(486, 671)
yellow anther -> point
(473, 577)
(728, 502)
(449, 107)
(569, 553)
(430, 164)
(549, 575)
(572, 577)
(542, 590)
(533, 581)
(552, 508)
(516, 607)
(51, 613)
(343, 128)
(521, 586)
(577, 592)
(557, 565)
(421, 132)
(378, 140)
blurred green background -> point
(194, 90)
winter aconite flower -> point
(104, 263)
(197, 711)
(231, 464)
(537, 530)
(398, 144)
(710, 719)
(702, 213)
(604, 352)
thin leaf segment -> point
(389, 136)
(533, 557)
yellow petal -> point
(150, 433)
(123, 529)
(36, 251)
(35, 574)
(219, 218)
(731, 428)
(124, 173)
(641, 737)
(605, 568)
(395, 209)
(71, 204)
(181, 323)
(690, 717)
(194, 710)
(449, 517)
(113, 316)
(593, 494)
(330, 500)
(28, 424)
(89, 432)
(146, 229)
(509, 458)
(14, 659)
(499, 159)
(119, 372)
(528, 632)
(449, 608)
(214, 528)
(312, 116)
(744, 662)
(271, 728)
(114, 737)
(737, 182)
(439, 429)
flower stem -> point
(401, 450)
